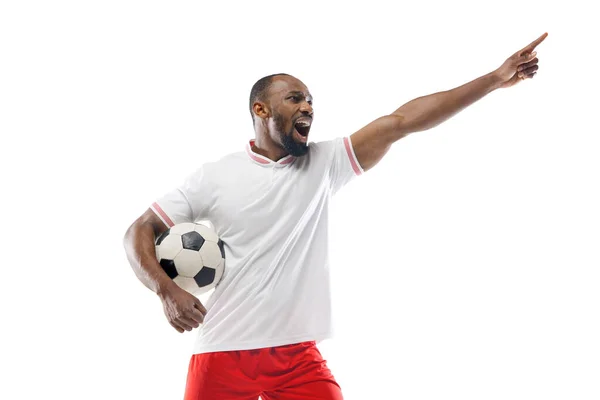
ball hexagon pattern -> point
(192, 255)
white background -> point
(466, 263)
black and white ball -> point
(192, 255)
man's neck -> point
(267, 148)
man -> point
(269, 205)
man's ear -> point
(261, 110)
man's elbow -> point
(396, 126)
(132, 231)
(128, 236)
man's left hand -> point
(521, 65)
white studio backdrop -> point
(465, 264)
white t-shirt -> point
(273, 220)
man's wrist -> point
(164, 286)
(495, 79)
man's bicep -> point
(148, 220)
(374, 140)
(151, 218)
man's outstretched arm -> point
(373, 141)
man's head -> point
(281, 109)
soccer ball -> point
(192, 255)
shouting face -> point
(289, 114)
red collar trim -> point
(264, 160)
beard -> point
(287, 138)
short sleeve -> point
(188, 202)
(344, 164)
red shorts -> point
(291, 372)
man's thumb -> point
(527, 57)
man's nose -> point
(306, 108)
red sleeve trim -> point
(353, 161)
(162, 215)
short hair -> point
(260, 90)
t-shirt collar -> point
(262, 160)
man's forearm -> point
(426, 112)
(141, 253)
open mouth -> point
(302, 126)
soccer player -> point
(269, 205)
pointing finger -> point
(529, 48)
